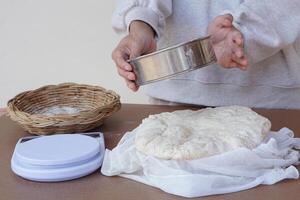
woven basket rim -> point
(28, 92)
(97, 104)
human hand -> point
(228, 43)
(139, 41)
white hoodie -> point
(271, 29)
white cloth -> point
(237, 170)
(271, 30)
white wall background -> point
(53, 41)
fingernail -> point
(127, 67)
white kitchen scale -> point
(58, 157)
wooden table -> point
(96, 186)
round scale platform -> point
(58, 157)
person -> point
(257, 44)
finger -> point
(226, 23)
(125, 74)
(238, 51)
(242, 62)
(227, 64)
(244, 68)
(238, 38)
(120, 58)
(233, 64)
(222, 21)
(131, 85)
(124, 64)
(229, 17)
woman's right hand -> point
(139, 41)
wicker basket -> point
(92, 105)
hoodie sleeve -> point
(153, 12)
(268, 26)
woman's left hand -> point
(228, 43)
